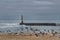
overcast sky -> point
(31, 9)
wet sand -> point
(25, 37)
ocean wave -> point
(15, 27)
(3, 25)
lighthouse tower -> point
(21, 20)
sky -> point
(31, 9)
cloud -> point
(43, 2)
(12, 9)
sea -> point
(12, 26)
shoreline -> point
(27, 37)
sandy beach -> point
(25, 37)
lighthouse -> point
(21, 20)
(36, 24)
